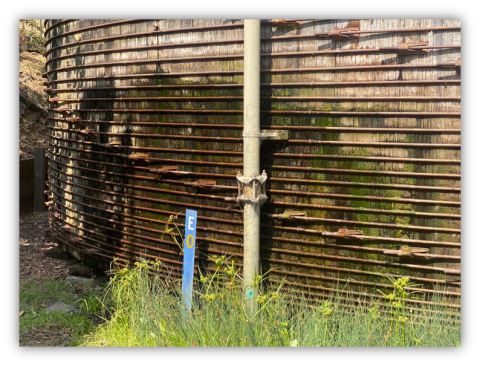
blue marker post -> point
(189, 257)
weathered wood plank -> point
(26, 187)
(26, 205)
(39, 179)
(26, 168)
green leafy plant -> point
(397, 311)
(31, 35)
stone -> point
(57, 253)
(60, 307)
(86, 281)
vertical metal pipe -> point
(251, 154)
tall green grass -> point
(147, 311)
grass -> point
(147, 311)
(142, 307)
(36, 295)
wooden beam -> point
(39, 180)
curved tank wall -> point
(146, 121)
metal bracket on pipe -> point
(281, 135)
(405, 251)
(64, 110)
(286, 23)
(138, 156)
(251, 189)
(274, 134)
(344, 233)
(169, 170)
(165, 169)
(291, 215)
(75, 120)
(113, 144)
(412, 48)
(203, 183)
(341, 34)
(87, 131)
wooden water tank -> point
(146, 122)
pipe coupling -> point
(251, 190)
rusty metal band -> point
(326, 207)
(178, 182)
(89, 28)
(153, 33)
(271, 98)
(240, 111)
(142, 237)
(230, 210)
(365, 238)
(236, 56)
(59, 22)
(323, 170)
(272, 85)
(273, 178)
(239, 126)
(285, 155)
(203, 44)
(354, 293)
(237, 25)
(282, 251)
(236, 139)
(337, 279)
(309, 276)
(278, 71)
(328, 268)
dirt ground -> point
(34, 264)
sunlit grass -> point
(147, 311)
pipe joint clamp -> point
(251, 190)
